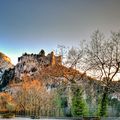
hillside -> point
(30, 65)
(47, 69)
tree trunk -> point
(104, 102)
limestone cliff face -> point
(28, 65)
(4, 57)
(32, 63)
(5, 70)
(5, 63)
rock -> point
(5, 64)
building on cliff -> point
(31, 63)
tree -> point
(33, 97)
(79, 106)
(7, 102)
(102, 58)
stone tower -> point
(53, 61)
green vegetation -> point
(10, 107)
(115, 105)
(103, 105)
(79, 105)
(8, 115)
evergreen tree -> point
(79, 106)
(102, 105)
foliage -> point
(6, 102)
(115, 103)
(34, 96)
(103, 105)
(79, 106)
(10, 107)
(64, 102)
(8, 115)
(57, 99)
(100, 58)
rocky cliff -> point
(47, 69)
(5, 63)
(30, 65)
(5, 66)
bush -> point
(10, 107)
(8, 115)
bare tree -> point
(100, 58)
(103, 59)
(32, 96)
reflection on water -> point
(102, 118)
(34, 119)
(18, 118)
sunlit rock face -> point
(33, 63)
(5, 63)
(29, 65)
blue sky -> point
(32, 25)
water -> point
(25, 118)
(17, 118)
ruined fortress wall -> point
(58, 60)
(55, 59)
(29, 61)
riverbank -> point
(24, 118)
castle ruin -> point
(50, 59)
(31, 63)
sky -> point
(32, 25)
